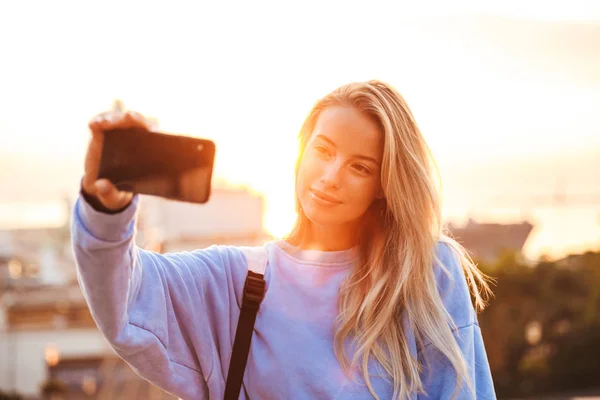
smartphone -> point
(172, 166)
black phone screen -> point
(159, 164)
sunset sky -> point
(498, 88)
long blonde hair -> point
(394, 277)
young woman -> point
(366, 298)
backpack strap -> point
(254, 292)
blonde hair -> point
(394, 277)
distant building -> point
(35, 256)
(487, 241)
(232, 216)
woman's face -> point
(339, 173)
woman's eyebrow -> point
(367, 158)
(325, 139)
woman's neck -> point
(330, 238)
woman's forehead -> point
(349, 129)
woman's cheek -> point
(364, 191)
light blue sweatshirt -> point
(173, 317)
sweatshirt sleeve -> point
(157, 311)
(439, 376)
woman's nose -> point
(331, 176)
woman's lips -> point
(323, 199)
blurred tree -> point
(542, 329)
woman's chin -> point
(320, 217)
(325, 217)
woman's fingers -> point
(116, 119)
(106, 192)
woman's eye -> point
(361, 168)
(322, 150)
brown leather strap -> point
(254, 292)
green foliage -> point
(542, 328)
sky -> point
(509, 89)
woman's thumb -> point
(103, 187)
(110, 196)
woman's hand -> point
(103, 189)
